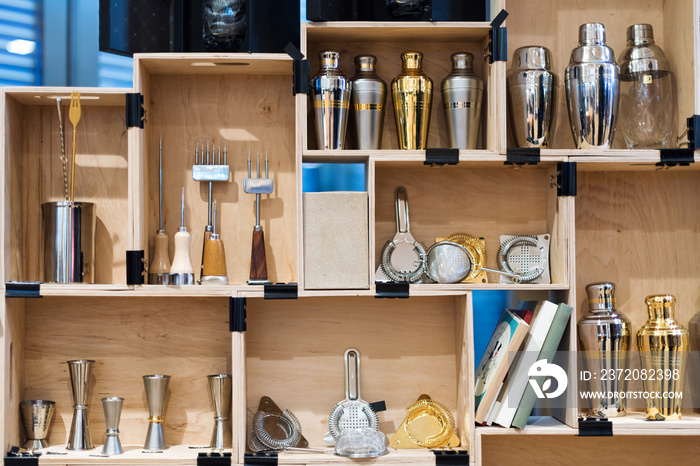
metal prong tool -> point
(258, 186)
(209, 169)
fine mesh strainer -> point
(477, 249)
(403, 258)
(428, 424)
(527, 256)
(273, 429)
(353, 412)
(450, 262)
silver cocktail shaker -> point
(604, 336)
(462, 92)
(592, 82)
(368, 103)
(647, 103)
(532, 97)
(330, 96)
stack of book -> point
(523, 336)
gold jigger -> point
(412, 91)
(37, 415)
(663, 348)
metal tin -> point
(69, 242)
(330, 96)
(532, 97)
(604, 337)
(412, 91)
(462, 93)
(647, 102)
(592, 83)
(368, 103)
(663, 349)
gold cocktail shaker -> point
(663, 349)
(412, 91)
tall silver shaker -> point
(368, 103)
(604, 336)
(647, 103)
(330, 96)
(532, 97)
(462, 93)
(592, 82)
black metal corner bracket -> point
(23, 289)
(451, 457)
(676, 157)
(437, 156)
(392, 290)
(260, 459)
(498, 39)
(135, 267)
(378, 406)
(522, 156)
(236, 314)
(565, 179)
(25, 458)
(693, 131)
(213, 459)
(135, 112)
(595, 427)
(300, 69)
(281, 291)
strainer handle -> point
(403, 224)
(517, 278)
(352, 374)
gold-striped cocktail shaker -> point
(663, 349)
(412, 91)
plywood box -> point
(336, 241)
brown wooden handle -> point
(161, 261)
(258, 261)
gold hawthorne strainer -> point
(477, 249)
(428, 424)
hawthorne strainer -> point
(527, 256)
(450, 262)
(353, 412)
(273, 429)
(403, 258)
(428, 424)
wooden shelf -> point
(89, 96)
(536, 425)
(416, 457)
(216, 63)
(133, 454)
(422, 31)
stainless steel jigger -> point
(112, 407)
(37, 416)
(80, 371)
(156, 389)
(220, 390)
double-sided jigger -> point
(156, 389)
(220, 390)
(37, 415)
(112, 407)
(258, 186)
(79, 437)
(209, 169)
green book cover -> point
(549, 347)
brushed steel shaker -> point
(412, 92)
(604, 337)
(592, 83)
(37, 416)
(532, 97)
(462, 93)
(68, 240)
(368, 103)
(330, 95)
